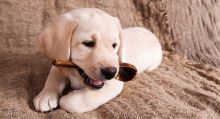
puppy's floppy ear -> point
(55, 40)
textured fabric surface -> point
(177, 89)
(189, 28)
(195, 29)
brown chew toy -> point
(126, 71)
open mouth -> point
(126, 73)
(96, 84)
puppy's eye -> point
(89, 43)
(114, 45)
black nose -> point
(109, 72)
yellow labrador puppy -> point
(141, 48)
(90, 38)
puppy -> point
(141, 48)
(90, 38)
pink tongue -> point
(96, 82)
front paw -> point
(46, 100)
(76, 102)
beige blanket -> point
(177, 89)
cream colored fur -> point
(63, 39)
(141, 48)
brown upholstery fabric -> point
(177, 89)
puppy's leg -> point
(86, 99)
(47, 99)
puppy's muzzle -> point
(126, 71)
(109, 72)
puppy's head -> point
(90, 38)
